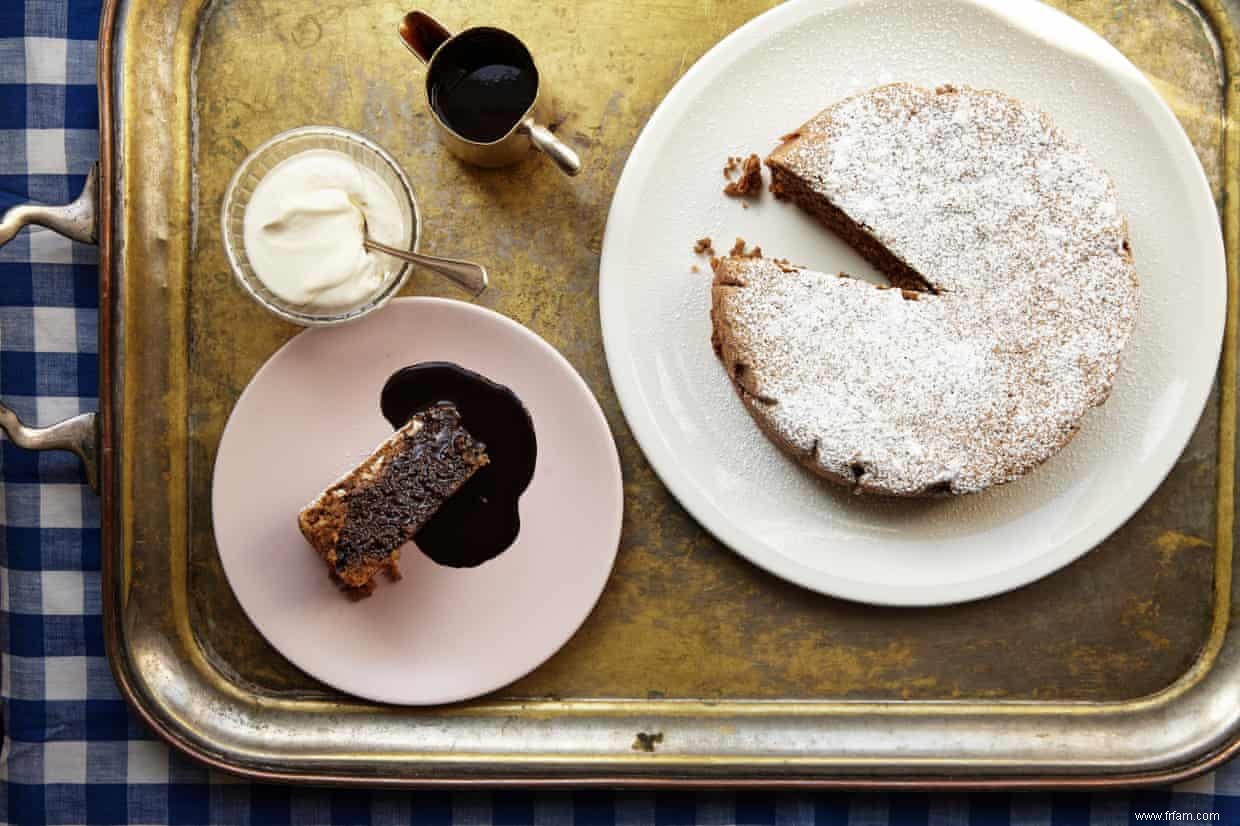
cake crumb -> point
(734, 162)
(703, 246)
(694, 268)
(750, 180)
(647, 742)
(740, 250)
(786, 265)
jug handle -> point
(545, 141)
(422, 34)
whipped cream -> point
(304, 230)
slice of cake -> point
(359, 523)
(1016, 294)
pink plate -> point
(441, 634)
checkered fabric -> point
(72, 754)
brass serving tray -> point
(696, 667)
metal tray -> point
(696, 667)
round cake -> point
(1012, 294)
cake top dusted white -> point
(1019, 295)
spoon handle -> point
(471, 276)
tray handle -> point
(74, 220)
(77, 221)
(79, 435)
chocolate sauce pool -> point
(480, 521)
(482, 84)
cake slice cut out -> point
(1011, 241)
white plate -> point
(766, 79)
(440, 634)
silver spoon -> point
(466, 274)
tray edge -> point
(1215, 12)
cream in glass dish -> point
(295, 218)
(306, 225)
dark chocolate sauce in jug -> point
(480, 521)
(482, 84)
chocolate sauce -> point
(480, 521)
(482, 83)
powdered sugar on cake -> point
(1017, 235)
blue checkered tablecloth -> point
(72, 753)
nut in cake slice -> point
(358, 524)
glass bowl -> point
(258, 163)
